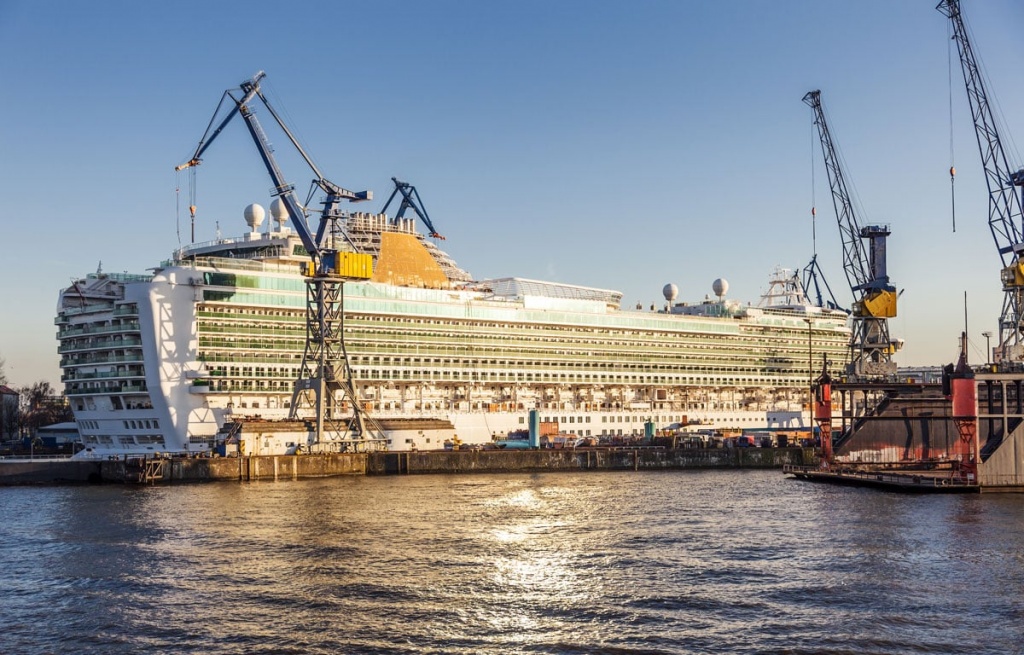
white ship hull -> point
(160, 363)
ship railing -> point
(240, 263)
(30, 457)
(128, 326)
(105, 388)
(103, 375)
(99, 345)
(88, 309)
(92, 361)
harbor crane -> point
(1004, 203)
(871, 348)
(410, 199)
(325, 370)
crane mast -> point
(1004, 203)
(325, 371)
(871, 348)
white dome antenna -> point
(254, 215)
(670, 291)
(720, 287)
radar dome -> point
(279, 211)
(670, 292)
(720, 287)
(254, 215)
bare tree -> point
(43, 408)
(3, 372)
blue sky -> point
(620, 145)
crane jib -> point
(325, 261)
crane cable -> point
(177, 206)
(952, 167)
(192, 199)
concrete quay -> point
(294, 467)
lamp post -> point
(988, 348)
(810, 371)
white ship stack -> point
(159, 363)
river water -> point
(589, 562)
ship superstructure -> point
(160, 363)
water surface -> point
(589, 562)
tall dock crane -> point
(325, 369)
(1004, 205)
(871, 348)
(410, 199)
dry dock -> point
(293, 467)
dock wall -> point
(293, 467)
(255, 467)
(48, 471)
(635, 459)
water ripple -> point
(614, 563)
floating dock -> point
(910, 437)
(920, 482)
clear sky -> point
(619, 145)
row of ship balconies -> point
(74, 375)
(82, 345)
(94, 388)
(94, 359)
(128, 327)
(119, 312)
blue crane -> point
(410, 199)
(323, 256)
(325, 369)
(1004, 203)
(871, 348)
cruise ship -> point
(160, 363)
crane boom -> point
(871, 348)
(1004, 205)
(323, 257)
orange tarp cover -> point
(404, 261)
